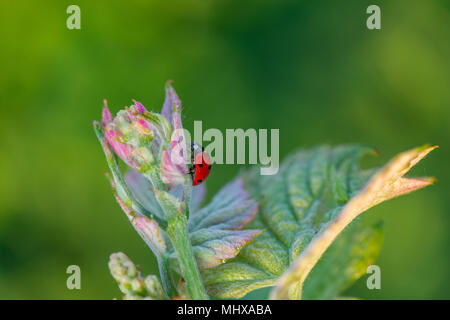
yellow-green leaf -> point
(303, 209)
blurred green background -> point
(310, 68)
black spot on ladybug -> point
(200, 165)
(199, 180)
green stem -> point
(177, 230)
(177, 217)
(178, 233)
(164, 271)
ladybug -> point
(201, 164)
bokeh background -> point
(310, 68)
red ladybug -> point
(201, 164)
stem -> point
(178, 233)
(164, 271)
(177, 229)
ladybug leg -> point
(192, 153)
(191, 172)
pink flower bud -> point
(136, 134)
(146, 140)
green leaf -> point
(303, 208)
(345, 261)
